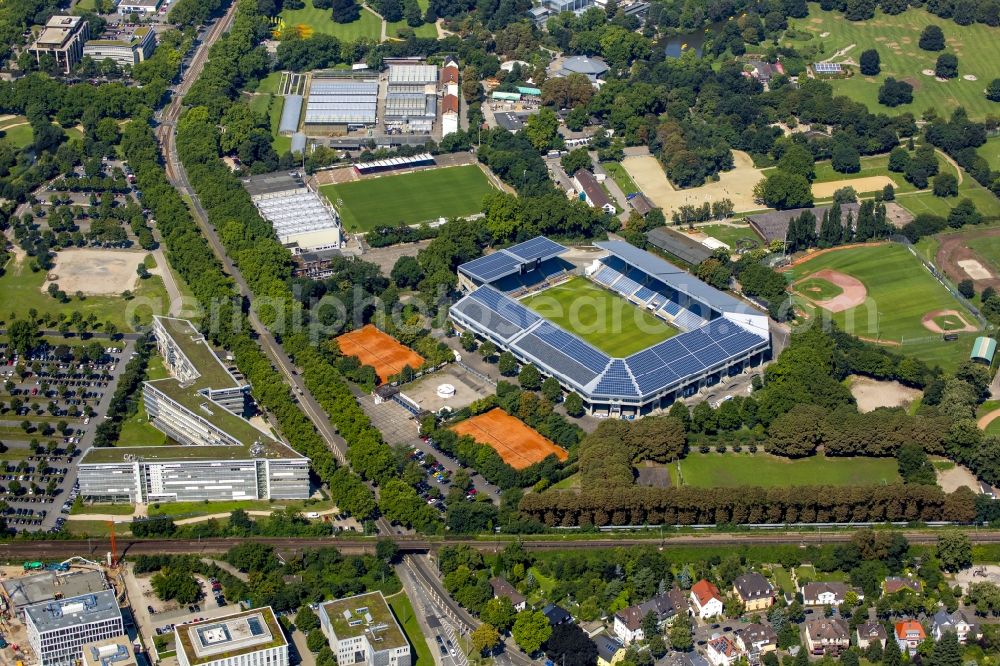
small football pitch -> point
(602, 318)
(419, 196)
(729, 470)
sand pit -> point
(952, 479)
(872, 393)
(860, 185)
(970, 77)
(927, 72)
(517, 444)
(95, 272)
(379, 350)
(947, 321)
(736, 185)
(974, 269)
(852, 294)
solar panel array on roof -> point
(536, 248)
(502, 263)
(827, 67)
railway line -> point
(39, 549)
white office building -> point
(58, 629)
(250, 638)
(362, 630)
(126, 50)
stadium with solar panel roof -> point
(629, 332)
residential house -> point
(824, 594)
(591, 191)
(894, 584)
(961, 623)
(909, 635)
(722, 651)
(706, 599)
(556, 615)
(765, 71)
(755, 591)
(871, 632)
(829, 635)
(502, 588)
(757, 639)
(628, 621)
(609, 650)
(682, 659)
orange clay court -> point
(517, 444)
(379, 350)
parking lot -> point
(53, 404)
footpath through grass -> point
(895, 38)
(403, 610)
(419, 196)
(602, 318)
(728, 470)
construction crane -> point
(114, 548)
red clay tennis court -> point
(379, 350)
(517, 444)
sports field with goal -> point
(415, 197)
(602, 318)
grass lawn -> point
(368, 26)
(571, 482)
(895, 38)
(620, 176)
(602, 318)
(988, 247)
(728, 470)
(86, 5)
(900, 293)
(783, 579)
(94, 528)
(187, 509)
(731, 236)
(155, 368)
(926, 202)
(270, 83)
(109, 509)
(818, 289)
(403, 611)
(19, 136)
(138, 431)
(415, 197)
(22, 290)
(425, 30)
(991, 152)
(876, 165)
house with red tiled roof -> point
(722, 652)
(706, 599)
(909, 635)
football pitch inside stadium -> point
(602, 318)
(415, 197)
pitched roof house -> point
(628, 621)
(824, 594)
(894, 584)
(828, 635)
(960, 623)
(909, 635)
(757, 638)
(556, 615)
(755, 591)
(593, 193)
(502, 588)
(722, 652)
(609, 650)
(706, 599)
(871, 632)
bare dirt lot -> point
(95, 272)
(954, 250)
(468, 389)
(736, 184)
(872, 393)
(860, 185)
(952, 479)
(952, 320)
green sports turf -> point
(731, 235)
(900, 293)
(991, 152)
(895, 38)
(949, 322)
(727, 470)
(368, 26)
(419, 196)
(818, 289)
(602, 318)
(620, 176)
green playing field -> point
(602, 318)
(415, 197)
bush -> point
(932, 38)
(946, 66)
(967, 288)
(892, 93)
(993, 91)
(871, 63)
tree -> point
(993, 91)
(892, 93)
(574, 405)
(507, 365)
(899, 158)
(551, 389)
(946, 66)
(142, 271)
(892, 655)
(498, 612)
(784, 190)
(945, 185)
(530, 630)
(346, 11)
(568, 644)
(844, 157)
(575, 160)
(870, 62)
(964, 212)
(529, 378)
(176, 583)
(798, 159)
(914, 466)
(468, 341)
(487, 350)
(967, 288)
(407, 273)
(23, 335)
(954, 550)
(306, 620)
(315, 640)
(541, 129)
(947, 651)
(485, 638)
(932, 38)
(681, 637)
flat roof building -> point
(303, 220)
(683, 247)
(592, 68)
(362, 630)
(126, 48)
(421, 74)
(250, 638)
(342, 102)
(57, 630)
(109, 652)
(24, 591)
(62, 38)
(140, 7)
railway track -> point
(38, 549)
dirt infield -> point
(379, 350)
(517, 444)
(860, 185)
(872, 393)
(853, 292)
(95, 272)
(930, 324)
(736, 184)
(954, 250)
